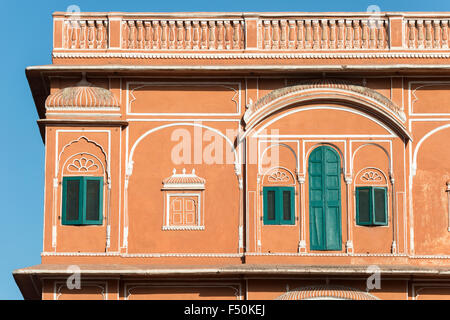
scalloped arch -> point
(359, 97)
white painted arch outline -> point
(347, 98)
(279, 144)
(323, 107)
(236, 157)
(419, 144)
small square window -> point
(183, 211)
(371, 206)
(82, 201)
(279, 205)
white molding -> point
(235, 54)
(143, 84)
(412, 100)
(58, 285)
(236, 286)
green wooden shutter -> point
(287, 199)
(380, 206)
(332, 168)
(324, 199)
(270, 205)
(82, 200)
(363, 206)
(279, 205)
(72, 200)
(316, 200)
(93, 200)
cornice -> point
(256, 55)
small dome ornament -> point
(83, 95)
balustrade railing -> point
(325, 34)
(85, 34)
(427, 34)
(264, 32)
(183, 34)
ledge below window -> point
(188, 228)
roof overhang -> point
(28, 279)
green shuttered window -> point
(371, 206)
(279, 205)
(82, 201)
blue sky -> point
(26, 35)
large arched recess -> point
(358, 98)
(151, 162)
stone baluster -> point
(437, 34)
(220, 35)
(67, 35)
(172, 36)
(332, 34)
(180, 34)
(188, 35)
(291, 34)
(196, 35)
(83, 35)
(372, 34)
(74, 34)
(381, 39)
(420, 34)
(348, 34)
(105, 35)
(283, 40)
(242, 34)
(148, 34)
(275, 34)
(99, 35)
(139, 34)
(316, 34)
(236, 34)
(341, 34)
(365, 34)
(445, 34)
(131, 27)
(428, 38)
(212, 35)
(308, 36)
(300, 42)
(267, 38)
(204, 34)
(164, 34)
(91, 34)
(412, 34)
(155, 32)
(356, 34)
(324, 39)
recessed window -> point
(371, 206)
(82, 201)
(279, 205)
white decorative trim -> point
(82, 164)
(58, 285)
(228, 85)
(236, 287)
(278, 55)
(278, 176)
(235, 255)
(184, 228)
(180, 255)
(371, 176)
(71, 108)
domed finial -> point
(193, 171)
(184, 170)
(174, 171)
